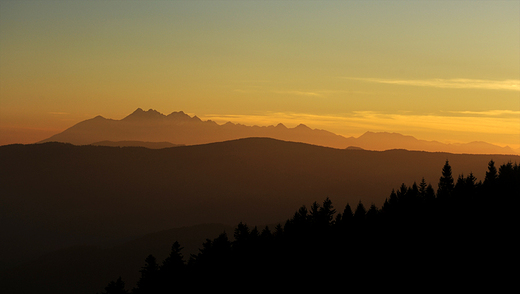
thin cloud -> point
(512, 85)
(493, 113)
(301, 93)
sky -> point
(437, 70)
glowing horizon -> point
(438, 71)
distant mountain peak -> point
(140, 114)
(302, 127)
(280, 125)
(179, 115)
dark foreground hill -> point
(58, 195)
(419, 239)
(85, 269)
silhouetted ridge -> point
(385, 136)
(140, 114)
(179, 116)
(151, 145)
(181, 129)
(302, 126)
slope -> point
(57, 195)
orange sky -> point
(437, 70)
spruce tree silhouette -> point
(266, 234)
(175, 261)
(212, 259)
(347, 213)
(445, 186)
(148, 283)
(172, 272)
(326, 213)
(372, 213)
(314, 212)
(430, 193)
(360, 213)
(422, 188)
(491, 174)
(241, 235)
(115, 287)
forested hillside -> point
(57, 195)
(458, 235)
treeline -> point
(462, 230)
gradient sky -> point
(437, 70)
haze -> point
(436, 70)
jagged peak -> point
(178, 115)
(139, 113)
(302, 126)
(280, 125)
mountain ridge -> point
(179, 128)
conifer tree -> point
(422, 188)
(326, 212)
(314, 212)
(266, 234)
(372, 213)
(173, 269)
(414, 191)
(491, 174)
(115, 287)
(174, 263)
(347, 213)
(345, 218)
(360, 213)
(254, 234)
(430, 193)
(148, 283)
(401, 193)
(241, 234)
(445, 182)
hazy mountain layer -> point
(151, 145)
(180, 128)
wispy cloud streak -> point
(493, 113)
(301, 93)
(511, 85)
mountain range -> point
(153, 129)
